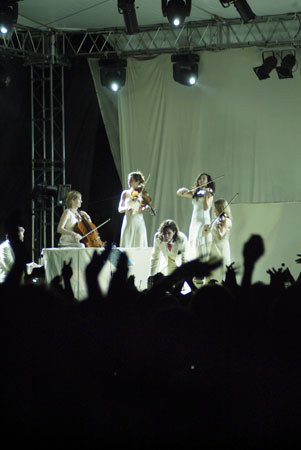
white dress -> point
(199, 244)
(221, 249)
(67, 240)
(133, 230)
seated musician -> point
(7, 256)
(70, 217)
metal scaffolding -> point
(48, 152)
(266, 31)
(280, 30)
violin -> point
(201, 192)
(223, 216)
(144, 198)
(221, 220)
(89, 231)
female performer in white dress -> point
(202, 198)
(68, 220)
(220, 231)
(133, 230)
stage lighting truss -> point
(176, 11)
(113, 73)
(127, 9)
(185, 68)
(285, 70)
(268, 64)
(8, 17)
(242, 7)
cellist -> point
(69, 219)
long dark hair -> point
(138, 176)
(171, 224)
(210, 184)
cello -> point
(89, 232)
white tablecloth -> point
(54, 260)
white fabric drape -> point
(108, 104)
(230, 124)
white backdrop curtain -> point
(230, 124)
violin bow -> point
(96, 228)
(147, 180)
(208, 182)
(216, 218)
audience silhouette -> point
(216, 368)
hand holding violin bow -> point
(144, 199)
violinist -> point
(69, 219)
(220, 231)
(133, 230)
(202, 194)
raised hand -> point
(92, 271)
(279, 277)
(67, 270)
(230, 278)
(185, 272)
(298, 261)
(119, 279)
(253, 249)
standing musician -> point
(133, 230)
(69, 219)
(220, 231)
(202, 195)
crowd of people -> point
(216, 368)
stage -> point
(139, 263)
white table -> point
(54, 260)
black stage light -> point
(112, 73)
(242, 7)
(286, 67)
(176, 11)
(63, 191)
(268, 64)
(185, 68)
(42, 194)
(127, 9)
(8, 16)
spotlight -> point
(242, 7)
(127, 9)
(286, 67)
(185, 68)
(268, 64)
(113, 73)
(176, 11)
(8, 16)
